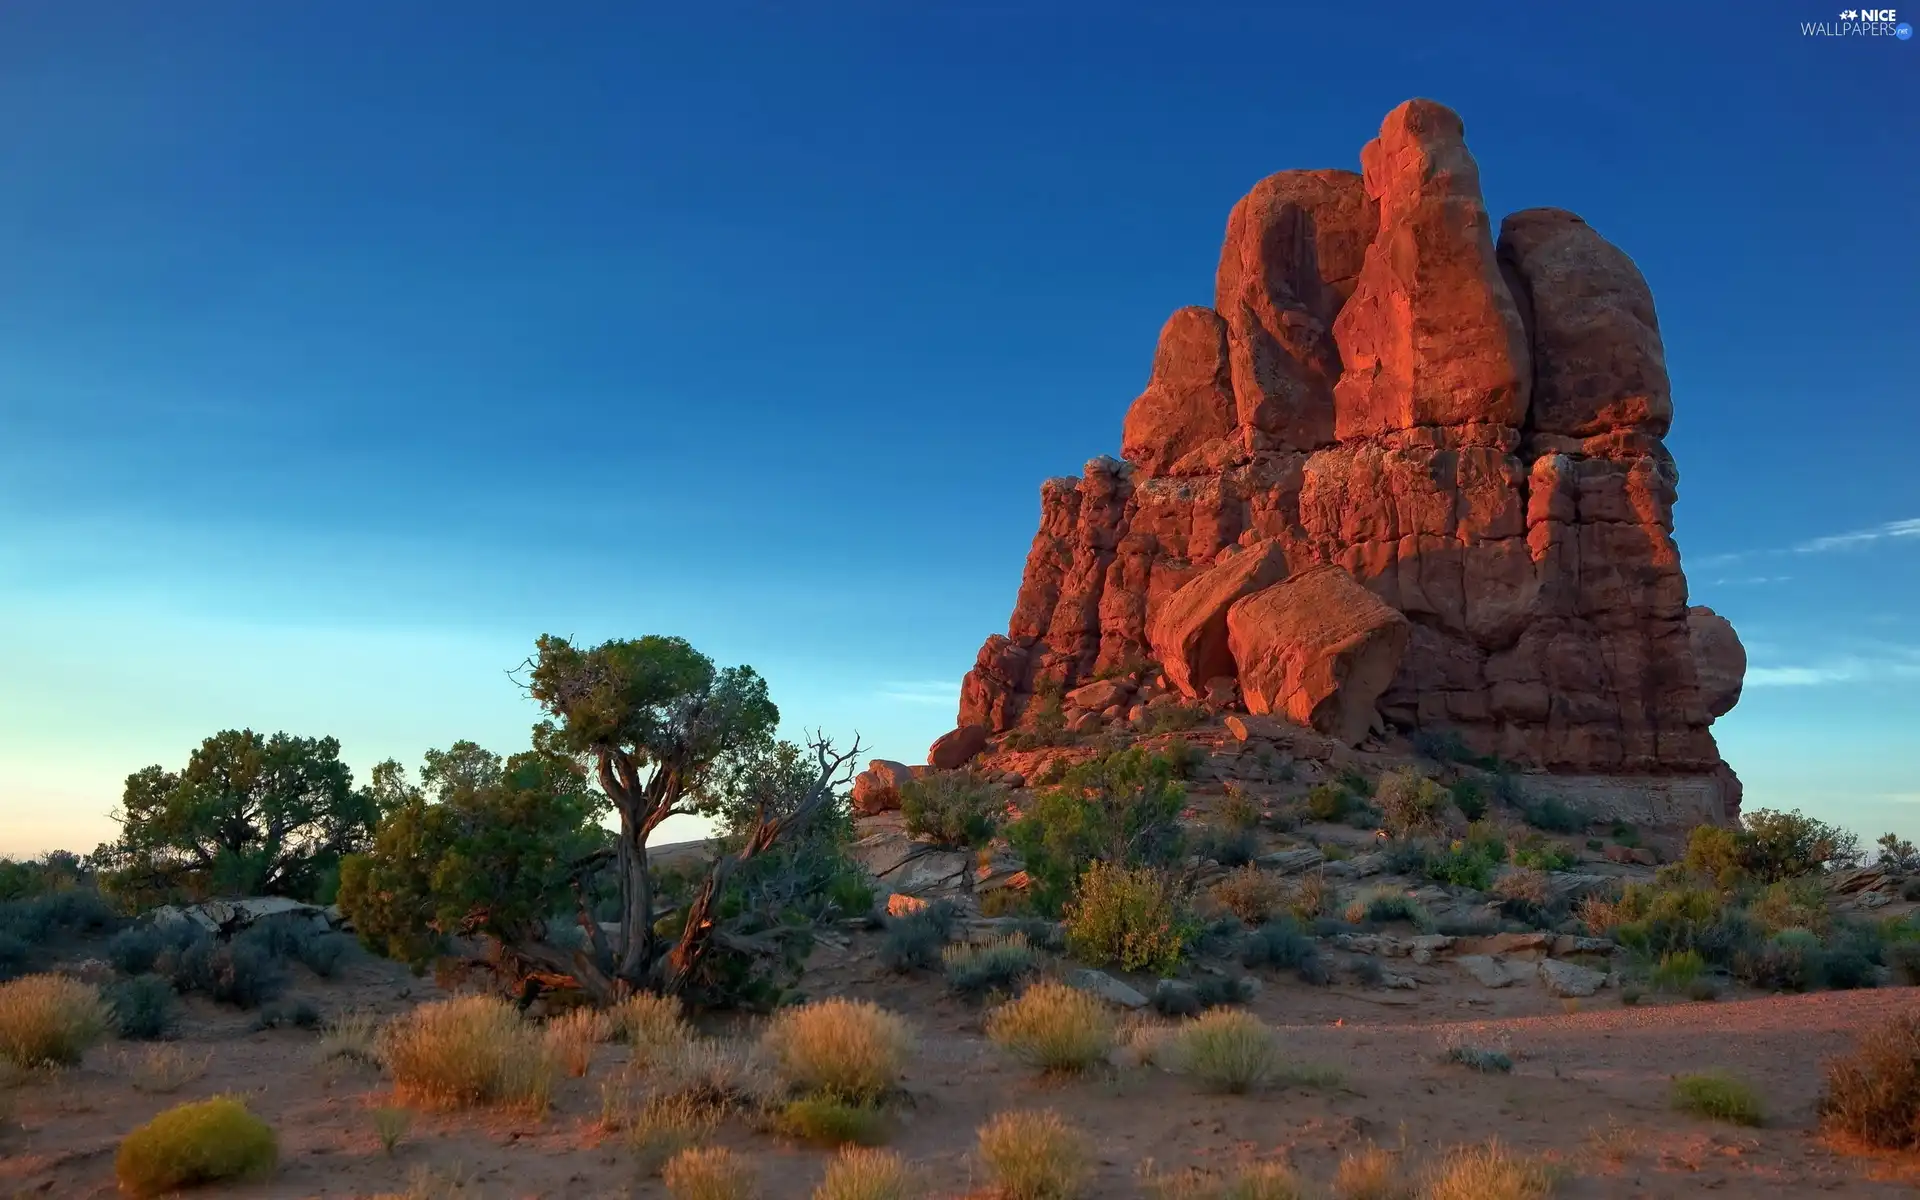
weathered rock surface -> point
(1189, 633)
(877, 789)
(1471, 427)
(224, 918)
(1570, 980)
(1718, 658)
(1318, 648)
(951, 751)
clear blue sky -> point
(347, 347)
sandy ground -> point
(1589, 1088)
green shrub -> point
(1384, 905)
(1897, 854)
(1791, 904)
(135, 951)
(826, 1121)
(914, 941)
(1226, 1051)
(1280, 944)
(1409, 802)
(239, 973)
(1134, 916)
(1230, 847)
(50, 1020)
(1470, 798)
(1792, 960)
(1238, 810)
(975, 969)
(1466, 864)
(1122, 809)
(1329, 802)
(1480, 1058)
(324, 953)
(1777, 845)
(1719, 1097)
(1676, 971)
(953, 808)
(210, 1141)
(143, 1007)
(1055, 1028)
(1035, 1156)
(1872, 1095)
(1554, 815)
(1542, 855)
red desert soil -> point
(1588, 1088)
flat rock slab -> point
(1106, 987)
(1570, 980)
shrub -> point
(1872, 1095)
(1329, 802)
(1370, 1174)
(849, 1050)
(647, 1021)
(1676, 971)
(1122, 809)
(1227, 1051)
(571, 1037)
(708, 1173)
(354, 1036)
(143, 1007)
(1238, 810)
(1792, 960)
(323, 953)
(1897, 854)
(1785, 845)
(858, 1174)
(15, 956)
(1792, 904)
(1279, 944)
(299, 1014)
(826, 1121)
(1035, 1156)
(134, 951)
(667, 1125)
(1482, 1059)
(953, 808)
(1408, 856)
(1249, 893)
(50, 1020)
(1386, 904)
(1714, 853)
(1133, 916)
(164, 1070)
(999, 964)
(1228, 847)
(914, 941)
(1462, 866)
(1253, 1181)
(1718, 1097)
(1541, 855)
(1522, 893)
(1409, 802)
(1470, 798)
(211, 1141)
(1053, 1027)
(466, 1053)
(1309, 896)
(240, 973)
(390, 1125)
(1553, 815)
(1904, 960)
(1490, 1172)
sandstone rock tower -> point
(1470, 426)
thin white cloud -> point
(1887, 662)
(1749, 581)
(926, 691)
(1909, 528)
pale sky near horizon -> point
(345, 349)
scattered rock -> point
(1570, 980)
(1568, 943)
(1299, 858)
(1099, 695)
(1106, 987)
(1490, 971)
(224, 918)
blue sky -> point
(345, 348)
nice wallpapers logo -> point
(1860, 22)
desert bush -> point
(1371, 1173)
(1250, 894)
(1522, 893)
(1714, 853)
(1897, 854)
(1656, 919)
(1539, 854)
(718, 1074)
(1226, 845)
(289, 1014)
(1226, 1051)
(1054, 1027)
(143, 1007)
(1238, 809)
(1252, 1181)
(324, 953)
(647, 1021)
(164, 1070)
(1407, 855)
(1383, 905)
(914, 941)
(1483, 1059)
(390, 1125)
(1463, 865)
(571, 1037)
(134, 951)
(997, 965)
(1122, 809)
(242, 974)
(467, 1052)
(1035, 1156)
(863, 1174)
(1553, 815)
(1409, 802)
(1329, 802)
(1470, 798)
(828, 1121)
(953, 808)
(1676, 971)
(1903, 958)
(1719, 1097)
(1785, 845)
(1792, 960)
(1281, 945)
(16, 956)
(849, 1050)
(709, 1173)
(1309, 896)
(210, 1141)
(354, 1036)
(663, 1126)
(1872, 1095)
(50, 1020)
(1490, 1172)
(1792, 904)
(1134, 916)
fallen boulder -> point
(1318, 649)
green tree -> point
(250, 815)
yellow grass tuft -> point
(468, 1052)
(649, 1023)
(1718, 1097)
(850, 1050)
(571, 1037)
(665, 1125)
(1227, 1050)
(1035, 1156)
(1371, 1174)
(50, 1020)
(1054, 1027)
(209, 1141)
(165, 1069)
(1254, 1181)
(859, 1174)
(1490, 1172)
(709, 1173)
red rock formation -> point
(1471, 429)
(1189, 631)
(1318, 648)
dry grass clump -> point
(354, 1036)
(1872, 1095)
(829, 1121)
(1254, 1181)
(1054, 1027)
(649, 1023)
(571, 1037)
(1371, 1173)
(1227, 1050)
(665, 1125)
(972, 969)
(50, 1020)
(1309, 896)
(390, 1125)
(709, 1173)
(468, 1052)
(1719, 1097)
(164, 1070)
(857, 1174)
(1035, 1156)
(209, 1141)
(1249, 893)
(715, 1073)
(850, 1050)
(1490, 1172)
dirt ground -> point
(1588, 1089)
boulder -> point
(1491, 972)
(1318, 648)
(953, 750)
(1570, 980)
(1099, 695)
(1106, 987)
(1188, 404)
(877, 789)
(1189, 634)
(224, 918)
(1718, 658)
